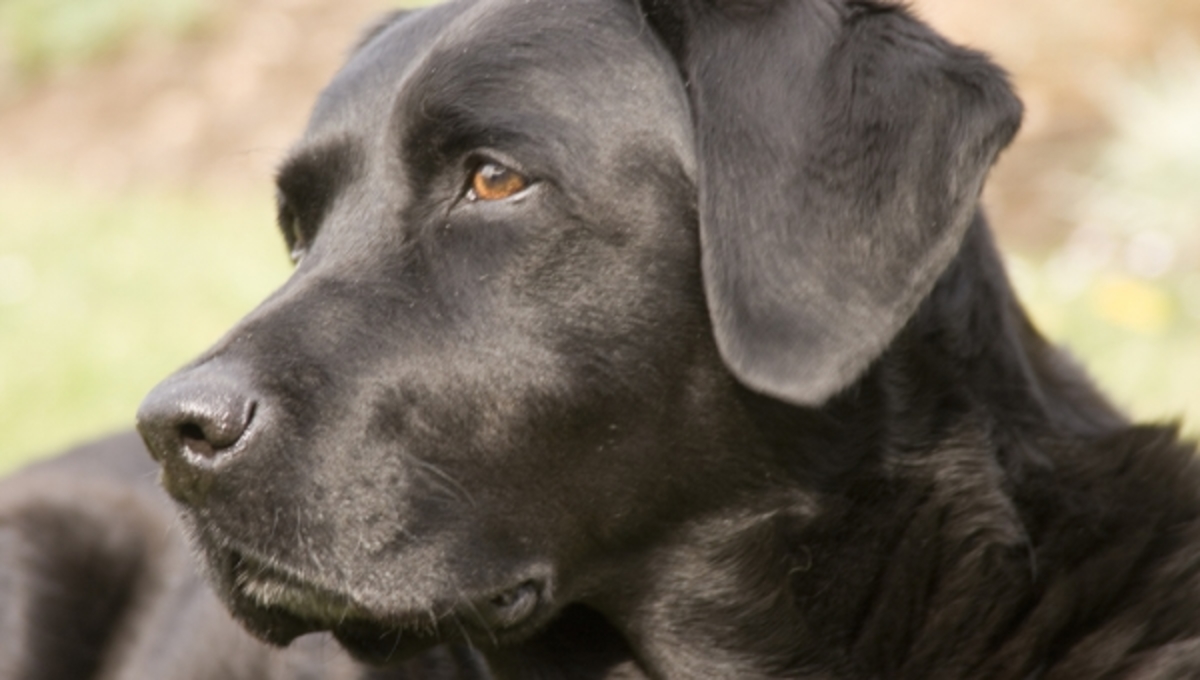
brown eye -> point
(493, 182)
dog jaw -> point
(277, 604)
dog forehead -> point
(585, 62)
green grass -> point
(102, 296)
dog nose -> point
(191, 424)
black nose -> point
(193, 422)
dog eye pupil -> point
(493, 182)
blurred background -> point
(138, 139)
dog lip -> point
(277, 604)
(261, 586)
(272, 588)
(510, 608)
(499, 618)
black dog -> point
(658, 340)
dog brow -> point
(313, 164)
(312, 175)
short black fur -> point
(734, 386)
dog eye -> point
(494, 182)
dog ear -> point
(842, 149)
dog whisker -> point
(450, 484)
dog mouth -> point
(271, 588)
(278, 605)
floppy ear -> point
(842, 148)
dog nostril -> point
(211, 434)
(192, 437)
(194, 419)
(191, 431)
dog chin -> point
(277, 606)
(370, 642)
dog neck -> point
(926, 494)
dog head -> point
(550, 257)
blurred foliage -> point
(1124, 291)
(102, 296)
(1137, 338)
(38, 36)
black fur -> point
(736, 388)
